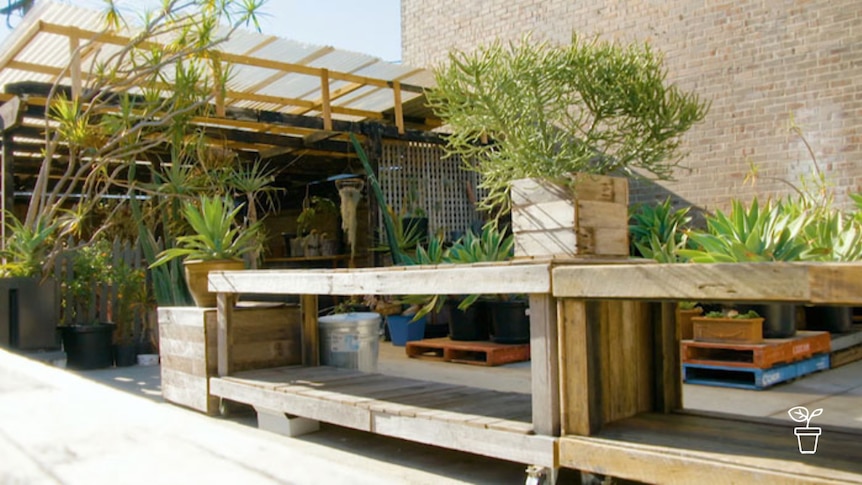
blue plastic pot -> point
(403, 330)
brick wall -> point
(760, 63)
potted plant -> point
(729, 327)
(88, 337)
(685, 311)
(658, 231)
(507, 319)
(21, 277)
(218, 244)
(131, 300)
(548, 123)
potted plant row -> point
(728, 327)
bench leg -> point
(285, 424)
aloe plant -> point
(26, 246)
(769, 233)
(657, 231)
(216, 233)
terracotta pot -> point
(196, 277)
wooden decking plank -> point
(371, 392)
(693, 449)
(479, 412)
(519, 425)
(420, 403)
(479, 404)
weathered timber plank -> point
(181, 348)
(836, 283)
(704, 282)
(185, 365)
(444, 279)
(532, 449)
(580, 378)
(659, 448)
(306, 407)
(545, 365)
(640, 312)
(224, 303)
(188, 390)
(310, 334)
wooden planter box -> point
(264, 335)
(735, 330)
(590, 218)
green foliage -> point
(733, 314)
(589, 106)
(657, 231)
(216, 233)
(494, 244)
(435, 253)
(91, 270)
(27, 246)
(754, 234)
(687, 305)
(316, 208)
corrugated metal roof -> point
(263, 66)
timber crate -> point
(728, 330)
(468, 352)
(762, 356)
(264, 335)
(750, 377)
(588, 218)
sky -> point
(366, 26)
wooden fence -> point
(103, 297)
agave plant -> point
(436, 253)
(769, 233)
(492, 245)
(833, 236)
(216, 233)
(657, 231)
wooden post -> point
(324, 99)
(544, 357)
(310, 337)
(399, 110)
(668, 377)
(75, 67)
(7, 171)
(580, 380)
(224, 307)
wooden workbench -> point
(606, 389)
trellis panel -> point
(419, 173)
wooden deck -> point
(459, 417)
(682, 448)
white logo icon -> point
(806, 436)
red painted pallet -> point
(476, 353)
(761, 356)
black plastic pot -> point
(126, 355)
(779, 319)
(834, 319)
(510, 323)
(88, 346)
(468, 325)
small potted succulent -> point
(218, 244)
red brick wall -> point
(761, 64)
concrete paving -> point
(59, 426)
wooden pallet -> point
(762, 356)
(476, 353)
(751, 378)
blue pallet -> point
(751, 378)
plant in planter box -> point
(532, 110)
(729, 326)
(685, 311)
(24, 256)
(218, 244)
